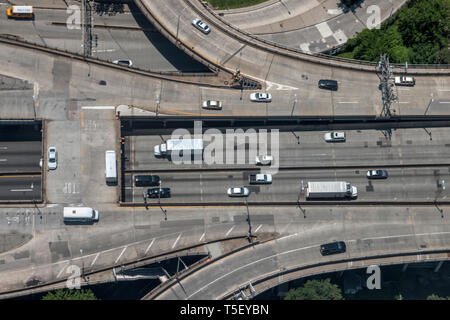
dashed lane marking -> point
(175, 243)
(120, 255)
(149, 246)
(231, 229)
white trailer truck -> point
(180, 147)
(404, 81)
(331, 190)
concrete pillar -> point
(439, 265)
(405, 266)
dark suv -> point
(158, 193)
(328, 84)
(146, 181)
(332, 248)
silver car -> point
(212, 104)
(264, 160)
(238, 192)
(200, 25)
(52, 158)
(123, 62)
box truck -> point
(330, 190)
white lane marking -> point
(21, 190)
(403, 102)
(99, 107)
(408, 235)
(285, 237)
(60, 272)
(247, 265)
(3, 160)
(443, 89)
(324, 29)
(104, 50)
(444, 102)
(403, 89)
(201, 238)
(334, 11)
(258, 228)
(4, 148)
(270, 84)
(340, 37)
(175, 243)
(348, 102)
(149, 246)
(305, 47)
(120, 255)
(95, 259)
(319, 154)
(229, 231)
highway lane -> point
(20, 188)
(363, 147)
(402, 184)
(20, 156)
(131, 37)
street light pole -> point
(295, 101)
(159, 201)
(249, 234)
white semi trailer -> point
(180, 147)
(331, 190)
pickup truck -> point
(260, 178)
(404, 81)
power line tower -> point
(87, 28)
(388, 94)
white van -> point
(80, 214)
(110, 167)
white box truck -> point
(80, 215)
(330, 190)
(110, 169)
(180, 147)
(404, 81)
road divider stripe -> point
(201, 238)
(120, 255)
(95, 259)
(149, 246)
(258, 228)
(229, 231)
(176, 241)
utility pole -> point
(388, 95)
(88, 21)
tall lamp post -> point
(159, 201)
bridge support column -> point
(439, 265)
(405, 266)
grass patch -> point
(232, 4)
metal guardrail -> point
(305, 55)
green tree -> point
(436, 297)
(315, 290)
(70, 295)
(349, 3)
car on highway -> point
(212, 104)
(146, 180)
(328, 84)
(123, 62)
(261, 97)
(332, 248)
(263, 160)
(377, 174)
(238, 192)
(52, 158)
(158, 193)
(334, 137)
(200, 25)
(260, 178)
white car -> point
(261, 97)
(200, 25)
(211, 104)
(52, 158)
(334, 137)
(123, 62)
(238, 192)
(264, 160)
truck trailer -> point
(180, 148)
(331, 190)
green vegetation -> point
(315, 290)
(436, 297)
(419, 34)
(232, 4)
(349, 3)
(70, 295)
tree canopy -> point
(70, 295)
(315, 290)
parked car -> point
(212, 104)
(238, 192)
(328, 84)
(334, 137)
(124, 62)
(377, 174)
(146, 180)
(158, 193)
(52, 158)
(200, 25)
(264, 160)
(333, 248)
(260, 97)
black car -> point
(328, 84)
(146, 180)
(332, 248)
(158, 193)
